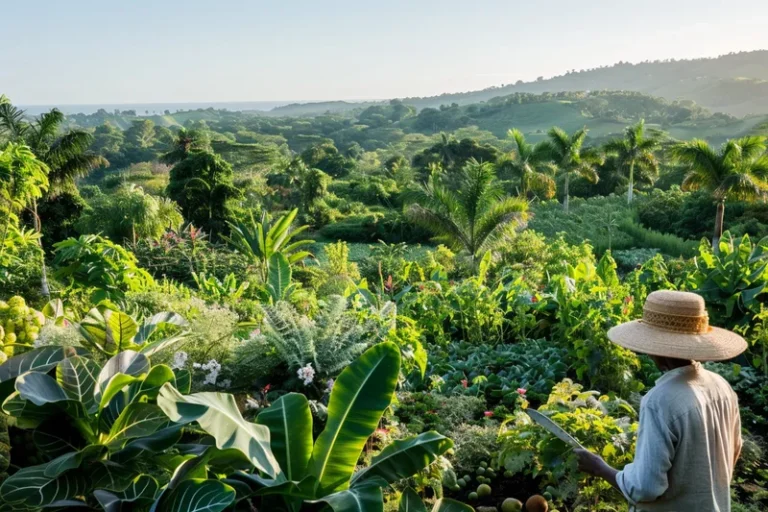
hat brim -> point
(715, 345)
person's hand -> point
(589, 462)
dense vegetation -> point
(352, 311)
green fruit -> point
(548, 495)
(456, 487)
(472, 496)
(480, 471)
(508, 474)
(10, 337)
(512, 505)
(491, 473)
(481, 479)
(9, 326)
(484, 464)
(467, 478)
(483, 490)
(16, 301)
(461, 482)
(3, 357)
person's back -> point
(689, 440)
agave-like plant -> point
(278, 466)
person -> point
(689, 437)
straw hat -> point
(676, 324)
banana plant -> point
(291, 470)
(410, 501)
(110, 331)
(216, 290)
(98, 428)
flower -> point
(488, 414)
(213, 368)
(521, 391)
(464, 383)
(266, 388)
(534, 299)
(307, 374)
(179, 360)
(250, 404)
(196, 365)
(255, 332)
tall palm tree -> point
(530, 163)
(184, 143)
(635, 149)
(67, 157)
(738, 170)
(469, 218)
(571, 160)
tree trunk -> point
(718, 226)
(44, 288)
(566, 199)
(631, 189)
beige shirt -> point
(689, 439)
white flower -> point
(225, 383)
(179, 360)
(213, 368)
(307, 374)
(251, 404)
(196, 365)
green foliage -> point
(604, 425)
(105, 269)
(97, 428)
(213, 289)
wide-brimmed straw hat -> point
(676, 324)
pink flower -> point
(255, 332)
(521, 391)
(267, 388)
(488, 414)
(464, 382)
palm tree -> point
(739, 170)
(258, 241)
(531, 164)
(635, 149)
(185, 142)
(567, 153)
(470, 218)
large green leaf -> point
(279, 275)
(290, 427)
(217, 414)
(410, 501)
(405, 458)
(108, 331)
(197, 495)
(108, 475)
(366, 497)
(153, 347)
(40, 388)
(40, 360)
(117, 384)
(150, 386)
(27, 414)
(142, 491)
(159, 320)
(73, 460)
(127, 362)
(77, 377)
(32, 489)
(446, 505)
(157, 442)
(137, 420)
(359, 397)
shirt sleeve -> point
(737, 435)
(645, 479)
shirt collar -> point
(678, 371)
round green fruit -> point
(484, 464)
(467, 478)
(508, 474)
(491, 473)
(512, 505)
(472, 496)
(547, 495)
(483, 490)
(480, 471)
(461, 482)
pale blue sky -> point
(121, 51)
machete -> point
(554, 428)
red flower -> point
(464, 382)
(488, 414)
(534, 299)
(521, 391)
(627, 299)
(267, 388)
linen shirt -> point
(689, 439)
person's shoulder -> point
(717, 381)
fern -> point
(329, 342)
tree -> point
(184, 143)
(259, 241)
(739, 170)
(141, 134)
(471, 217)
(566, 151)
(635, 149)
(202, 186)
(530, 164)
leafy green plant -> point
(98, 429)
(410, 501)
(296, 471)
(99, 265)
(216, 290)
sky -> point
(55, 52)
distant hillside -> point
(736, 84)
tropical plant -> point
(259, 241)
(531, 164)
(216, 290)
(294, 472)
(102, 438)
(95, 263)
(410, 501)
(571, 159)
(635, 150)
(185, 143)
(739, 170)
(471, 218)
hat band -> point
(677, 323)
